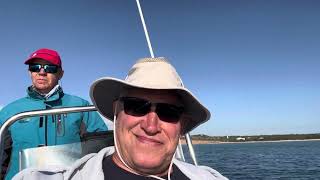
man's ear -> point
(61, 72)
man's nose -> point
(42, 71)
(151, 124)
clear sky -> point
(254, 63)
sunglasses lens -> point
(135, 106)
(50, 68)
(47, 68)
(140, 107)
(34, 67)
(169, 112)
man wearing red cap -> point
(45, 69)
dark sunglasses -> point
(140, 107)
(48, 68)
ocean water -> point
(295, 160)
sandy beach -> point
(220, 142)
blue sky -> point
(253, 63)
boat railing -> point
(5, 126)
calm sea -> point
(263, 160)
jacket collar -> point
(53, 95)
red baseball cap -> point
(49, 55)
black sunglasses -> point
(48, 68)
(140, 107)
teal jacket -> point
(47, 130)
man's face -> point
(42, 81)
(146, 142)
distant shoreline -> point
(222, 142)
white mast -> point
(145, 29)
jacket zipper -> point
(46, 127)
(46, 130)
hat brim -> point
(105, 91)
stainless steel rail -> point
(191, 150)
(10, 121)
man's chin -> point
(149, 164)
(152, 168)
(42, 89)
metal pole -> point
(145, 29)
(191, 150)
(179, 152)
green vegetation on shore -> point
(202, 137)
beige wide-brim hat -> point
(152, 74)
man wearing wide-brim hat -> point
(151, 109)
